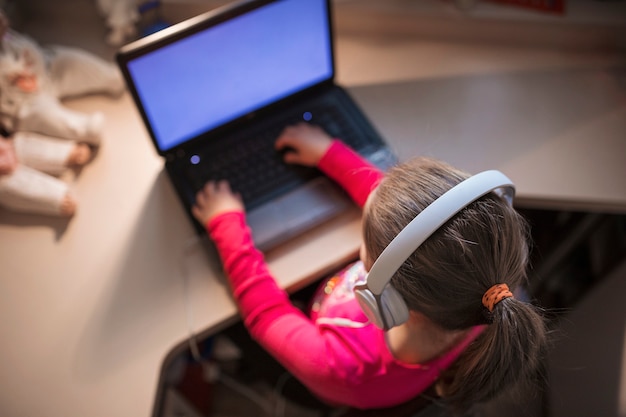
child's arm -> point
(350, 170)
(259, 299)
(270, 317)
(322, 360)
(309, 145)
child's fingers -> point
(197, 213)
(222, 187)
(201, 197)
(285, 140)
(292, 157)
(291, 136)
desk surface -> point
(560, 135)
(91, 307)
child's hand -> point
(213, 199)
(305, 144)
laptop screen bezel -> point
(181, 30)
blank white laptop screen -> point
(233, 68)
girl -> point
(463, 332)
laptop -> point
(215, 91)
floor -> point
(586, 378)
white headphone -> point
(380, 302)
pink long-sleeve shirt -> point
(341, 365)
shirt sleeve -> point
(265, 307)
(351, 171)
(318, 356)
(270, 317)
(259, 298)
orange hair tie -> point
(496, 294)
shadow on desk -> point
(58, 224)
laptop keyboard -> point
(255, 169)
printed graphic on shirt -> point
(337, 289)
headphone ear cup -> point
(368, 304)
(393, 307)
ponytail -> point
(509, 352)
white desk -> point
(90, 309)
(559, 135)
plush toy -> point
(33, 80)
(29, 164)
(121, 17)
(42, 136)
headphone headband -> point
(432, 218)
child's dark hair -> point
(446, 277)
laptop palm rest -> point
(289, 215)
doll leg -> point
(46, 115)
(30, 191)
(76, 72)
(49, 155)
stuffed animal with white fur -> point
(29, 167)
(42, 136)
